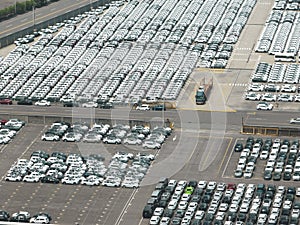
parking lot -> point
(148, 51)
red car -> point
(3, 121)
(5, 101)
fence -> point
(7, 40)
(270, 131)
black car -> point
(176, 221)
(277, 176)
(41, 154)
(19, 218)
(159, 108)
(107, 105)
(238, 147)
(179, 213)
(287, 176)
(25, 102)
(268, 175)
(4, 216)
(169, 213)
(70, 104)
(50, 179)
(148, 211)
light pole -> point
(15, 6)
(91, 4)
(33, 15)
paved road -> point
(190, 119)
(41, 14)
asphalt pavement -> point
(41, 14)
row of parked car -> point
(276, 73)
(9, 128)
(269, 97)
(116, 134)
(209, 202)
(282, 158)
(281, 33)
(25, 217)
(144, 49)
(124, 169)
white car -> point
(256, 87)
(71, 137)
(154, 220)
(50, 137)
(285, 98)
(297, 98)
(202, 184)
(269, 97)
(172, 204)
(13, 177)
(111, 140)
(31, 178)
(92, 138)
(298, 192)
(130, 183)
(132, 141)
(143, 107)
(165, 221)
(264, 106)
(112, 182)
(4, 139)
(158, 211)
(90, 105)
(151, 145)
(295, 120)
(42, 103)
(92, 180)
(71, 180)
(40, 220)
(253, 96)
(182, 205)
(199, 214)
(288, 88)
(7, 132)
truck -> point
(203, 92)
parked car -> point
(143, 107)
(264, 106)
(5, 101)
(25, 102)
(43, 103)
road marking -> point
(238, 84)
(226, 166)
(124, 210)
(223, 159)
(23, 20)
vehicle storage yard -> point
(108, 102)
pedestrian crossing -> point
(243, 49)
(238, 84)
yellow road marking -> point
(223, 159)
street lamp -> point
(33, 15)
